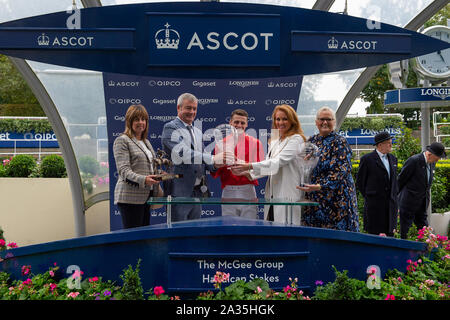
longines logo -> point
(203, 101)
(243, 84)
(164, 83)
(442, 93)
(161, 118)
(168, 38)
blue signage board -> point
(217, 98)
(413, 97)
(28, 140)
(360, 136)
(369, 42)
(63, 39)
(207, 40)
(238, 39)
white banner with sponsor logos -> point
(216, 100)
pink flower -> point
(28, 282)
(12, 245)
(94, 279)
(73, 295)
(382, 234)
(77, 274)
(258, 289)
(158, 291)
(52, 274)
(53, 286)
(389, 297)
(26, 270)
(2, 243)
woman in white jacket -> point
(281, 164)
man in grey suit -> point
(184, 143)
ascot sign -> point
(210, 40)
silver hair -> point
(326, 108)
(186, 96)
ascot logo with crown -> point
(167, 38)
(333, 43)
(43, 40)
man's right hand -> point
(224, 159)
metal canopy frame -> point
(80, 205)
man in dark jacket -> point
(414, 183)
(377, 182)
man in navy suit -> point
(377, 182)
(183, 142)
(414, 183)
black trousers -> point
(134, 215)
(407, 217)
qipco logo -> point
(208, 212)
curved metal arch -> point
(52, 113)
(369, 72)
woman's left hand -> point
(309, 187)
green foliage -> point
(371, 123)
(375, 89)
(21, 165)
(132, 287)
(406, 145)
(53, 166)
(346, 288)
(21, 110)
(88, 165)
(25, 125)
(13, 88)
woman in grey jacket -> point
(136, 181)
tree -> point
(13, 88)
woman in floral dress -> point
(332, 184)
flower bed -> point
(424, 279)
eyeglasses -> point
(325, 119)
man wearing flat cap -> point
(414, 183)
(377, 182)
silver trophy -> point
(307, 161)
(226, 138)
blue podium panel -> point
(185, 257)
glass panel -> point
(79, 98)
(330, 89)
(259, 201)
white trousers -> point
(246, 192)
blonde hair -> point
(295, 128)
(135, 111)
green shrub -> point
(53, 166)
(88, 164)
(132, 287)
(21, 165)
